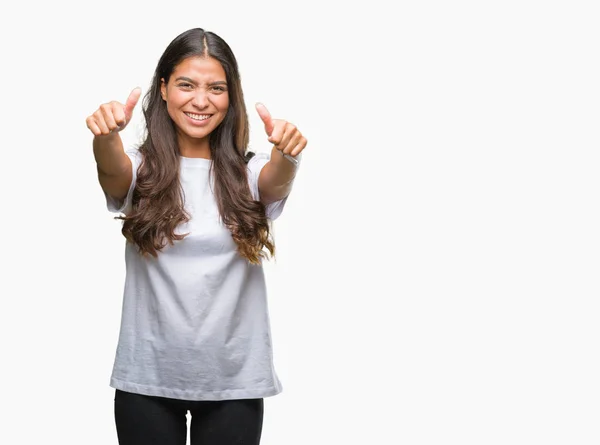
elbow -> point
(275, 194)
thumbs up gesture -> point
(284, 135)
(114, 116)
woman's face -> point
(197, 97)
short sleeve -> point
(124, 206)
(255, 165)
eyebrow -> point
(187, 79)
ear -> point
(163, 89)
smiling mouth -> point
(198, 117)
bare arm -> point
(113, 165)
(277, 176)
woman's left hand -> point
(284, 135)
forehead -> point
(201, 69)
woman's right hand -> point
(113, 116)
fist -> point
(284, 135)
(113, 116)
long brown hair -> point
(157, 200)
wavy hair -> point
(157, 200)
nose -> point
(200, 99)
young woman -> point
(196, 210)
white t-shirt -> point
(195, 322)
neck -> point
(193, 148)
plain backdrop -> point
(437, 272)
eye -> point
(185, 86)
(219, 89)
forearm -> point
(278, 175)
(109, 154)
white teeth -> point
(198, 117)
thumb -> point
(266, 117)
(131, 102)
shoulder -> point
(136, 156)
(256, 161)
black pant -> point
(149, 420)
